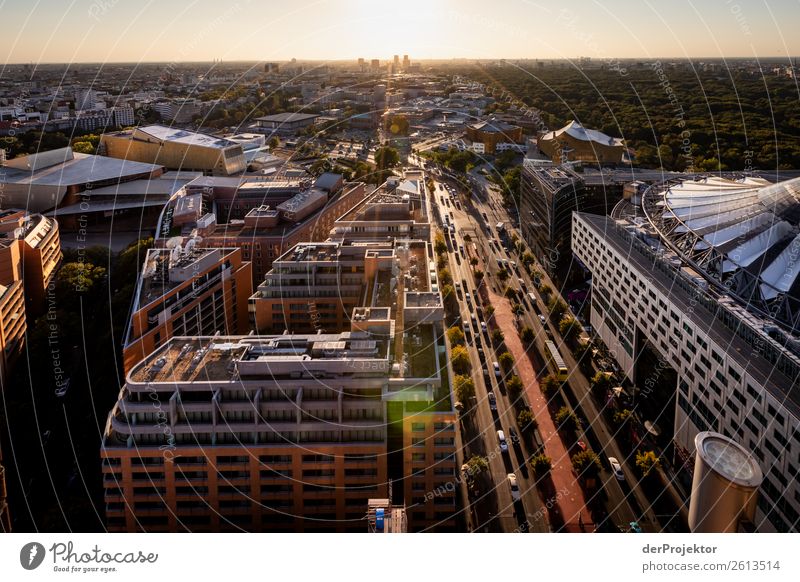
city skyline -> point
(101, 31)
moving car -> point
(501, 439)
(496, 370)
(492, 401)
(512, 483)
(616, 468)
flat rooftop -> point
(228, 358)
(159, 271)
(312, 252)
(182, 136)
(287, 117)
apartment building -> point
(698, 286)
(316, 286)
(271, 433)
(297, 428)
(265, 218)
(40, 249)
(397, 209)
(12, 326)
(185, 290)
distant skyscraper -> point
(375, 64)
(396, 62)
(406, 62)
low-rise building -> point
(176, 149)
(493, 132)
(48, 180)
(264, 217)
(283, 123)
(573, 142)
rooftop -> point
(67, 168)
(230, 359)
(577, 131)
(732, 230)
(166, 269)
(163, 133)
(287, 117)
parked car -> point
(616, 468)
(512, 434)
(492, 401)
(496, 370)
(512, 483)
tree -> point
(478, 274)
(601, 383)
(456, 336)
(570, 328)
(566, 419)
(545, 290)
(444, 277)
(526, 420)
(477, 464)
(621, 417)
(497, 337)
(506, 361)
(83, 147)
(274, 142)
(464, 387)
(510, 293)
(586, 464)
(549, 385)
(647, 462)
(514, 386)
(527, 258)
(502, 274)
(440, 246)
(397, 125)
(77, 277)
(449, 296)
(474, 260)
(557, 308)
(527, 335)
(386, 158)
(541, 465)
(517, 309)
(489, 310)
(460, 360)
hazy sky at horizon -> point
(199, 30)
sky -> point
(48, 31)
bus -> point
(556, 361)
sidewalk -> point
(569, 495)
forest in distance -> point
(677, 117)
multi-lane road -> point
(493, 508)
